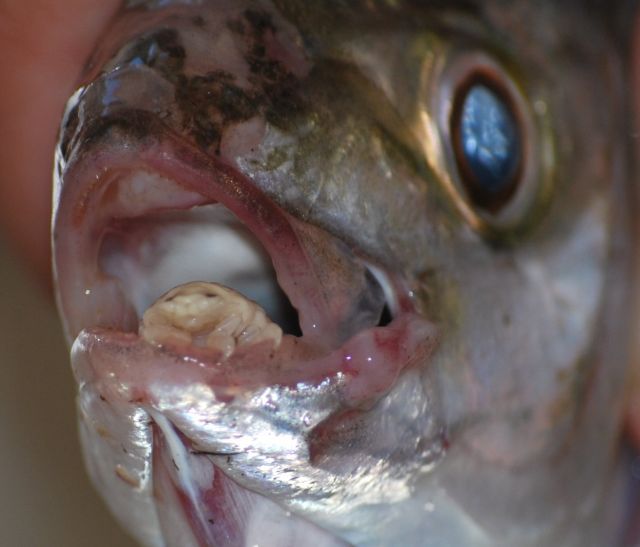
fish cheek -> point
(511, 374)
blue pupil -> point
(490, 140)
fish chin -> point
(211, 414)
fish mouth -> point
(304, 306)
(268, 400)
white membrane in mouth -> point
(390, 296)
(155, 253)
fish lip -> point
(110, 353)
(179, 161)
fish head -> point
(349, 274)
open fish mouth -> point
(210, 322)
(176, 263)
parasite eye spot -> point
(487, 144)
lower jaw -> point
(124, 365)
(195, 502)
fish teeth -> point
(207, 315)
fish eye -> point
(487, 143)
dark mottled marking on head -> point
(138, 124)
(285, 101)
(162, 50)
(280, 87)
(260, 21)
(198, 21)
(236, 104)
(263, 67)
(236, 26)
(211, 102)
